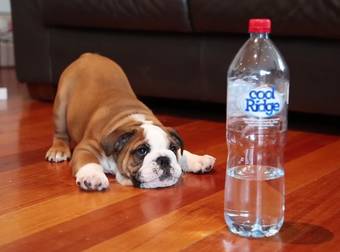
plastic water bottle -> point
(257, 101)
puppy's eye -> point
(142, 151)
(173, 148)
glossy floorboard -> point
(41, 209)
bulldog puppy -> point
(114, 132)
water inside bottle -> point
(254, 191)
(254, 200)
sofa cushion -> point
(319, 18)
(152, 15)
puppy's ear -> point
(177, 138)
(114, 142)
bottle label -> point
(261, 102)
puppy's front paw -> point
(206, 164)
(91, 177)
(201, 164)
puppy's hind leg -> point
(190, 162)
(60, 149)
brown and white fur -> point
(114, 132)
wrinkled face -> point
(148, 156)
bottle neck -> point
(260, 35)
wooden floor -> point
(41, 208)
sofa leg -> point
(42, 91)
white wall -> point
(5, 6)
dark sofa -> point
(179, 48)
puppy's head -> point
(146, 154)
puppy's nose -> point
(163, 161)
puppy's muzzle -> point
(164, 165)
